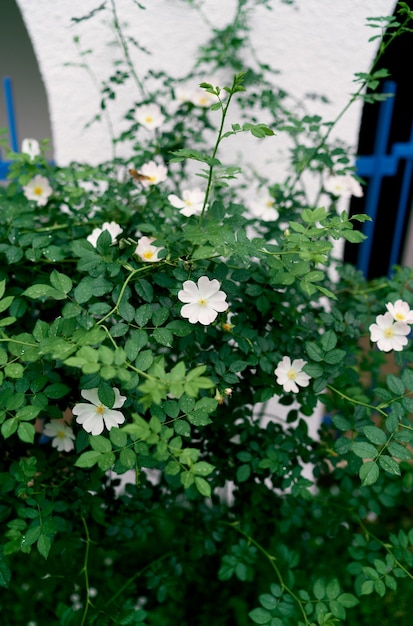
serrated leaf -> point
(395, 384)
(314, 351)
(260, 616)
(44, 543)
(203, 486)
(369, 473)
(5, 574)
(389, 465)
(88, 459)
(364, 450)
(61, 282)
(375, 435)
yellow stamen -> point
(60, 434)
(148, 119)
(202, 302)
(100, 409)
(292, 375)
(148, 254)
(38, 191)
(400, 316)
(388, 333)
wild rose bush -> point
(165, 348)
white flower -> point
(204, 300)
(290, 375)
(38, 189)
(153, 172)
(150, 116)
(111, 227)
(400, 311)
(343, 186)
(202, 98)
(62, 434)
(388, 334)
(262, 208)
(191, 203)
(31, 147)
(93, 417)
(184, 94)
(146, 251)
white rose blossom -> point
(343, 186)
(38, 189)
(111, 227)
(94, 415)
(202, 98)
(31, 147)
(191, 202)
(388, 334)
(149, 116)
(400, 311)
(203, 301)
(146, 251)
(62, 435)
(153, 174)
(290, 375)
(262, 207)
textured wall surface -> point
(317, 47)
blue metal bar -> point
(403, 200)
(8, 93)
(373, 191)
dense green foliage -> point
(230, 512)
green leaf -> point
(364, 450)
(314, 351)
(347, 600)
(43, 291)
(88, 459)
(369, 473)
(44, 543)
(335, 356)
(26, 432)
(128, 458)
(395, 384)
(202, 468)
(375, 435)
(319, 589)
(203, 486)
(260, 616)
(163, 336)
(5, 574)
(329, 340)
(389, 465)
(100, 443)
(243, 472)
(61, 282)
(268, 601)
(333, 589)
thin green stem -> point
(385, 546)
(85, 571)
(354, 401)
(135, 576)
(224, 109)
(271, 559)
(125, 49)
(122, 292)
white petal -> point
(91, 395)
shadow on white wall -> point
(18, 60)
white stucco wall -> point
(317, 47)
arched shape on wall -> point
(396, 60)
(18, 61)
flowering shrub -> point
(199, 425)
